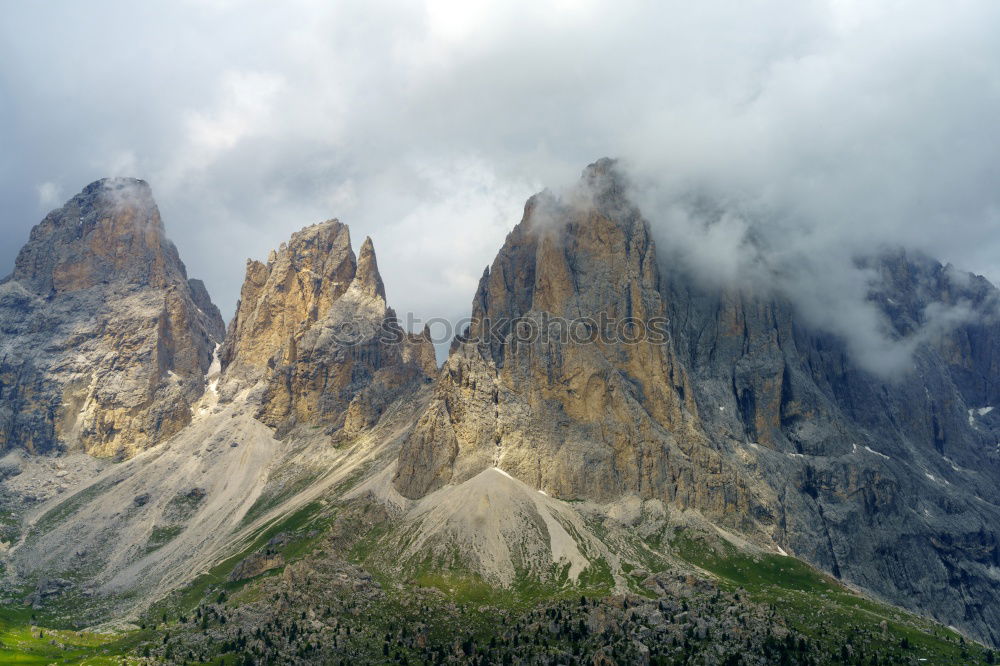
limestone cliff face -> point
(743, 412)
(610, 416)
(104, 342)
(314, 336)
(889, 483)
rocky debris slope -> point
(104, 342)
(152, 523)
(215, 495)
(742, 411)
(314, 336)
(326, 610)
(493, 525)
(28, 480)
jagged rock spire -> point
(280, 299)
(310, 331)
(367, 276)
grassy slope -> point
(823, 609)
(19, 636)
(811, 602)
(21, 642)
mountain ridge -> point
(530, 459)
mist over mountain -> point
(152, 466)
(426, 126)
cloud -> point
(49, 196)
(425, 124)
(244, 109)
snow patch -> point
(978, 411)
(881, 455)
(214, 369)
(953, 465)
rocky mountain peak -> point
(742, 412)
(109, 232)
(550, 361)
(309, 331)
(104, 342)
(367, 277)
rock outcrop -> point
(314, 338)
(566, 379)
(741, 411)
(104, 342)
(889, 483)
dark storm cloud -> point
(426, 125)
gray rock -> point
(310, 334)
(104, 342)
(46, 589)
(745, 413)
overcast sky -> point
(427, 124)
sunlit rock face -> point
(104, 342)
(744, 412)
(607, 417)
(727, 402)
(313, 336)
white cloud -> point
(243, 110)
(49, 196)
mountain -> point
(313, 357)
(743, 413)
(889, 484)
(718, 478)
(105, 341)
(313, 332)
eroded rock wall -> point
(104, 342)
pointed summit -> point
(308, 330)
(280, 299)
(367, 277)
(624, 403)
(109, 232)
(105, 341)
